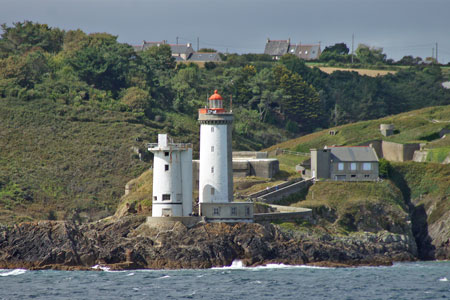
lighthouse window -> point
(212, 148)
(216, 211)
(212, 169)
(166, 167)
(166, 153)
(155, 198)
(247, 211)
(166, 197)
(212, 129)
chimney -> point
(268, 39)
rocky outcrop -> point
(130, 243)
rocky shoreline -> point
(129, 243)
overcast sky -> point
(400, 27)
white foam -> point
(443, 279)
(99, 267)
(131, 274)
(238, 265)
(14, 272)
(166, 276)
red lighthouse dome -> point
(216, 102)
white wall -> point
(217, 159)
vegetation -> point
(76, 111)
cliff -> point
(129, 243)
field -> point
(367, 72)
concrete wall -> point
(249, 154)
(266, 168)
(227, 212)
(399, 152)
(420, 156)
(284, 217)
(280, 193)
(322, 169)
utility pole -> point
(432, 52)
(177, 40)
(198, 43)
(437, 53)
(353, 44)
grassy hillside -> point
(59, 161)
(421, 126)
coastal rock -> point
(129, 242)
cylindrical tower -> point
(216, 170)
(172, 178)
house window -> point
(353, 166)
(166, 167)
(166, 153)
(155, 198)
(366, 176)
(212, 191)
(353, 176)
(212, 169)
(166, 197)
(341, 166)
(212, 148)
(234, 211)
(216, 211)
(212, 129)
(367, 166)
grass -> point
(415, 126)
(366, 72)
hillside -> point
(418, 126)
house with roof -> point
(278, 48)
(181, 52)
(355, 163)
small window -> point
(166, 197)
(247, 211)
(155, 198)
(366, 176)
(353, 166)
(212, 129)
(216, 211)
(166, 153)
(234, 211)
(166, 167)
(367, 166)
(353, 176)
(212, 148)
(212, 191)
(341, 166)
(212, 169)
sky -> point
(400, 27)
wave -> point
(14, 272)
(238, 265)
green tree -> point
(27, 35)
(338, 48)
(370, 55)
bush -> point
(385, 168)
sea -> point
(417, 280)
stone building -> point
(358, 163)
(278, 48)
(181, 52)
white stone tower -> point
(216, 170)
(172, 178)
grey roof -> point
(349, 154)
(200, 56)
(277, 48)
(181, 49)
(307, 52)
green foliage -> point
(370, 55)
(385, 168)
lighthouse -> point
(172, 178)
(216, 166)
(216, 176)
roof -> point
(358, 154)
(181, 49)
(215, 96)
(202, 56)
(278, 48)
(307, 51)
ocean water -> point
(421, 280)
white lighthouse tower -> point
(172, 178)
(216, 166)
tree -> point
(409, 60)
(207, 50)
(339, 48)
(370, 55)
(27, 35)
(103, 62)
